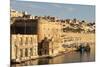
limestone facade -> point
(24, 47)
(51, 31)
(15, 13)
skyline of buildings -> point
(45, 33)
(34, 37)
(50, 34)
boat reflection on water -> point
(83, 47)
(84, 56)
(72, 57)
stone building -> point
(24, 44)
(49, 37)
(14, 13)
(24, 47)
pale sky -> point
(63, 11)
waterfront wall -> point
(71, 40)
(27, 35)
(79, 37)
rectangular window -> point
(26, 52)
(26, 42)
(31, 40)
(21, 53)
(21, 41)
(31, 51)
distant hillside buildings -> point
(34, 36)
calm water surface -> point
(66, 58)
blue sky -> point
(63, 11)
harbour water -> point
(71, 57)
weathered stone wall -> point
(50, 30)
